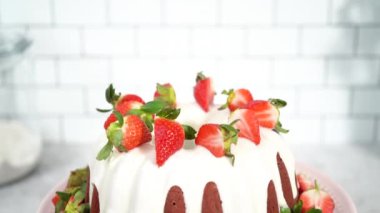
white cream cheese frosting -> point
(133, 182)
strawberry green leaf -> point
(297, 208)
(279, 128)
(277, 102)
(189, 132)
(105, 151)
(166, 94)
(313, 210)
(200, 76)
(137, 112)
(115, 135)
(149, 124)
(103, 110)
(119, 117)
(64, 196)
(285, 210)
(153, 107)
(169, 113)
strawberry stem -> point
(200, 76)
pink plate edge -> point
(341, 198)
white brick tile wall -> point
(366, 101)
(356, 11)
(327, 41)
(80, 11)
(25, 12)
(59, 41)
(165, 42)
(303, 130)
(346, 130)
(135, 11)
(247, 12)
(324, 101)
(100, 41)
(322, 57)
(369, 42)
(353, 72)
(82, 129)
(299, 72)
(84, 72)
(308, 12)
(45, 71)
(190, 12)
(55, 101)
(216, 42)
(273, 41)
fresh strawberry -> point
(317, 199)
(268, 113)
(131, 134)
(166, 93)
(55, 200)
(217, 139)
(169, 137)
(236, 99)
(304, 183)
(247, 124)
(123, 107)
(130, 97)
(204, 92)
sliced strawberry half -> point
(169, 137)
(247, 124)
(317, 199)
(237, 99)
(268, 113)
(123, 107)
(204, 92)
(304, 183)
(217, 139)
(166, 93)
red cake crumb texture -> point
(132, 120)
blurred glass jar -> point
(20, 147)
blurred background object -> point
(322, 57)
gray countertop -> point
(355, 168)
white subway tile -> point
(59, 101)
(353, 72)
(327, 41)
(48, 128)
(163, 42)
(138, 76)
(24, 101)
(303, 130)
(244, 73)
(84, 72)
(45, 71)
(324, 101)
(218, 42)
(22, 73)
(273, 41)
(83, 129)
(190, 12)
(302, 12)
(369, 41)
(135, 11)
(25, 12)
(55, 41)
(247, 11)
(299, 72)
(353, 11)
(96, 99)
(366, 101)
(109, 41)
(80, 11)
(348, 130)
